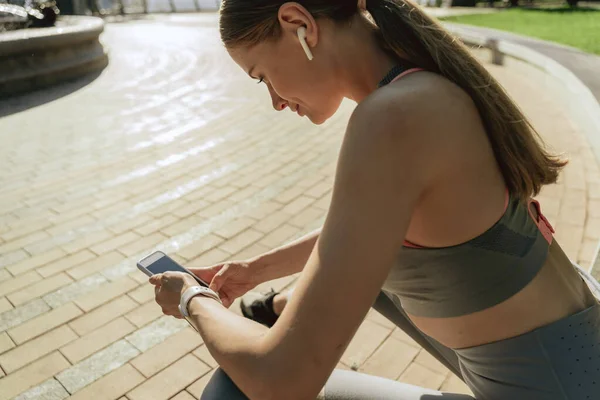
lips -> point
(296, 109)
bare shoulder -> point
(420, 118)
(422, 99)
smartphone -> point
(158, 262)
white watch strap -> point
(192, 292)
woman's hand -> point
(230, 279)
(168, 288)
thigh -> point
(350, 385)
(341, 385)
(391, 308)
(221, 387)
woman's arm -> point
(391, 154)
(285, 260)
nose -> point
(279, 103)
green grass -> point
(577, 27)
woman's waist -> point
(546, 299)
(564, 332)
(491, 325)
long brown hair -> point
(405, 30)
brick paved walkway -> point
(174, 148)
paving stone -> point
(5, 343)
(49, 390)
(167, 352)
(96, 366)
(200, 246)
(22, 281)
(198, 386)
(5, 305)
(279, 236)
(427, 360)
(204, 355)
(143, 293)
(32, 375)
(211, 257)
(86, 240)
(36, 348)
(418, 375)
(21, 314)
(155, 225)
(241, 241)
(105, 293)
(364, 343)
(22, 242)
(183, 396)
(87, 345)
(36, 261)
(235, 227)
(171, 380)
(143, 244)
(114, 243)
(74, 290)
(102, 315)
(272, 221)
(112, 385)
(156, 332)
(90, 267)
(39, 289)
(12, 257)
(66, 263)
(43, 323)
(144, 314)
(249, 252)
(4, 275)
(390, 360)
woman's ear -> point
(293, 16)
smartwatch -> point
(192, 292)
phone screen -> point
(165, 263)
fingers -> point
(172, 312)
(219, 279)
(155, 279)
(206, 273)
(167, 299)
(226, 302)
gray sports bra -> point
(472, 276)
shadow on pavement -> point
(22, 102)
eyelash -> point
(261, 80)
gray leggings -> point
(350, 385)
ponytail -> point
(406, 31)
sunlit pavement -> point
(173, 147)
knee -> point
(220, 386)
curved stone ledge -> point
(34, 58)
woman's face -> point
(308, 88)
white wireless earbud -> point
(302, 38)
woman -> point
(430, 215)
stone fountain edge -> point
(40, 57)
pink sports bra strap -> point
(408, 71)
(542, 223)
